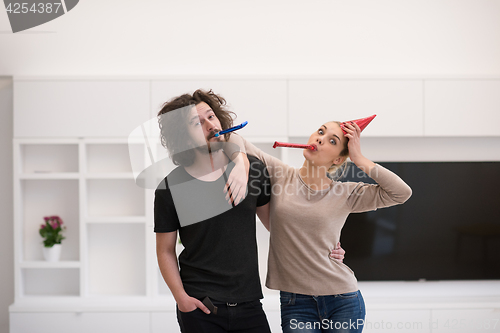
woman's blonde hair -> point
(337, 170)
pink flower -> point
(42, 226)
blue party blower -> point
(235, 128)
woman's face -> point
(329, 141)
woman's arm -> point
(272, 163)
(391, 190)
(236, 184)
(354, 145)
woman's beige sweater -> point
(305, 225)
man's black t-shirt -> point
(219, 259)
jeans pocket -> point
(285, 298)
(186, 312)
(348, 295)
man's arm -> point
(167, 260)
(263, 214)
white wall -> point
(289, 37)
(6, 204)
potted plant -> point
(52, 231)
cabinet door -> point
(260, 102)
(64, 322)
(397, 104)
(462, 108)
(79, 108)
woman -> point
(306, 216)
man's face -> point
(202, 126)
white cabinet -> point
(90, 185)
(260, 102)
(275, 108)
(397, 104)
(64, 322)
(462, 108)
(79, 108)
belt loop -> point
(292, 298)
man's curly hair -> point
(173, 125)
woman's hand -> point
(354, 136)
(236, 186)
(353, 133)
(337, 253)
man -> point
(220, 256)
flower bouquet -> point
(52, 231)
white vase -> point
(52, 253)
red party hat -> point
(362, 123)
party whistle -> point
(293, 145)
(235, 128)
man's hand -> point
(236, 186)
(337, 253)
(189, 304)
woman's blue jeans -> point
(333, 313)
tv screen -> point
(448, 230)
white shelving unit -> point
(90, 185)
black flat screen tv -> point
(448, 230)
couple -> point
(212, 199)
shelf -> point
(46, 198)
(57, 158)
(114, 197)
(116, 259)
(121, 219)
(113, 157)
(51, 281)
(46, 264)
(117, 175)
(50, 175)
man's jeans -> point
(247, 317)
(334, 313)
